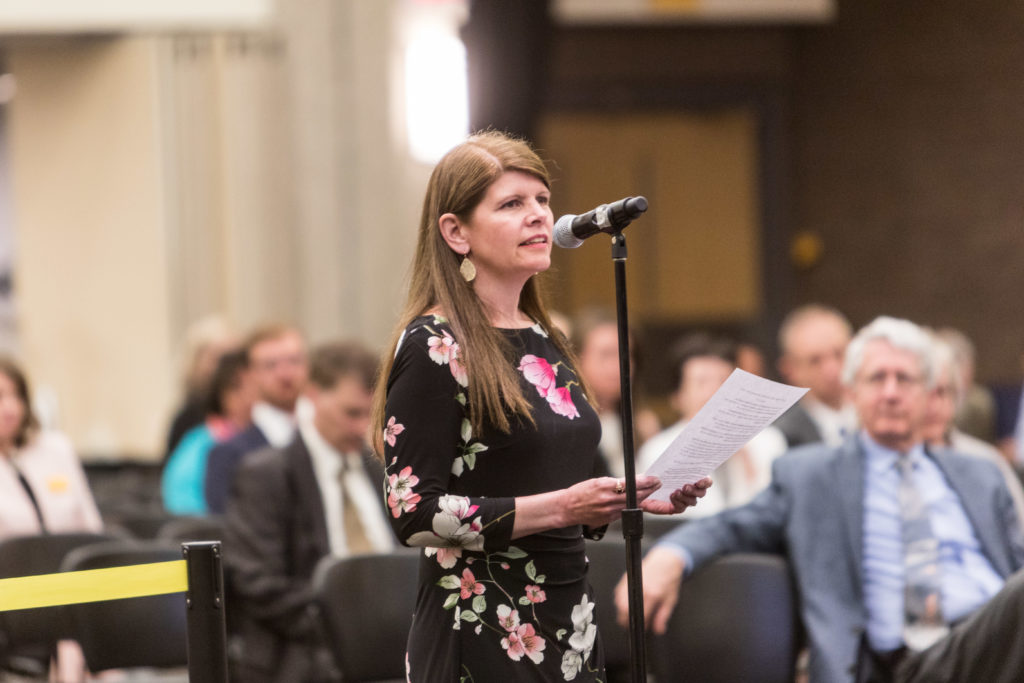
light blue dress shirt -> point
(968, 578)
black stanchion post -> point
(207, 630)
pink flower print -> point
(508, 618)
(539, 373)
(445, 349)
(458, 369)
(524, 641)
(392, 430)
(469, 585)
(401, 497)
(446, 557)
(560, 400)
(441, 349)
(534, 594)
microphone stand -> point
(632, 516)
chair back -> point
(738, 618)
(183, 529)
(28, 637)
(149, 631)
(366, 628)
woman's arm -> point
(428, 444)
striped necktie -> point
(356, 538)
(923, 624)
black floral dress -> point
(490, 608)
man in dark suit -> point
(812, 340)
(292, 506)
(277, 360)
(840, 515)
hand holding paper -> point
(743, 406)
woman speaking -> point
(488, 438)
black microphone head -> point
(635, 206)
(562, 233)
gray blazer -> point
(275, 534)
(812, 512)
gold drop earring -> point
(467, 269)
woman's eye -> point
(511, 204)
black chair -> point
(345, 590)
(28, 637)
(736, 620)
(182, 529)
(149, 631)
(607, 564)
(138, 523)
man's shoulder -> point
(815, 452)
(273, 459)
(962, 464)
(814, 459)
(249, 439)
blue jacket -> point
(223, 463)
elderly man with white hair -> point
(940, 429)
(905, 557)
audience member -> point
(596, 338)
(229, 410)
(812, 340)
(940, 431)
(976, 409)
(844, 515)
(292, 506)
(278, 363)
(701, 364)
(43, 489)
(750, 357)
(205, 341)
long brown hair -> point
(457, 185)
(29, 424)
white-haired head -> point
(898, 333)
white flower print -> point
(572, 663)
(450, 530)
(582, 639)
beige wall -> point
(90, 264)
(158, 179)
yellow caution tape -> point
(93, 585)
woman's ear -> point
(454, 233)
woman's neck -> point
(502, 305)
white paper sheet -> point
(743, 406)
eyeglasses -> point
(878, 380)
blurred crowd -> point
(270, 440)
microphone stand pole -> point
(632, 516)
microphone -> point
(570, 230)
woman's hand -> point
(596, 502)
(679, 500)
